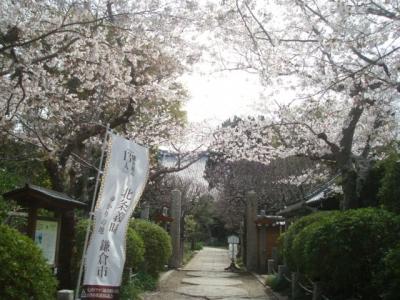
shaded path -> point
(204, 278)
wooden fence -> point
(296, 286)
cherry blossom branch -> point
(163, 171)
(260, 24)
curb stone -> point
(261, 280)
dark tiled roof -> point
(33, 195)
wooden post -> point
(32, 218)
(262, 249)
(317, 291)
(145, 213)
(271, 264)
(251, 231)
(282, 270)
(295, 285)
(176, 229)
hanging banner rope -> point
(124, 179)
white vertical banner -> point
(124, 179)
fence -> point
(313, 288)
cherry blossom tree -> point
(68, 68)
(339, 60)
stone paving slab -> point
(205, 278)
(212, 291)
(212, 274)
(212, 281)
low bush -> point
(198, 246)
(344, 250)
(276, 284)
(135, 249)
(390, 277)
(157, 242)
(287, 241)
(130, 290)
(24, 273)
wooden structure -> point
(34, 198)
(269, 229)
(325, 197)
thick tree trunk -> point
(55, 175)
(349, 187)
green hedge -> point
(134, 249)
(290, 257)
(157, 243)
(24, 273)
(343, 250)
(390, 276)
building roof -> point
(36, 196)
(309, 203)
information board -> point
(46, 238)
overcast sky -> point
(217, 97)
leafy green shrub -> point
(344, 250)
(24, 273)
(80, 233)
(276, 284)
(130, 290)
(389, 192)
(198, 246)
(287, 241)
(157, 243)
(134, 249)
(391, 274)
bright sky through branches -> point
(219, 96)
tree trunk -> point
(55, 175)
(349, 187)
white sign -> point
(233, 251)
(233, 239)
(46, 238)
(125, 177)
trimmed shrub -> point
(24, 273)
(80, 232)
(130, 290)
(390, 279)
(344, 250)
(157, 243)
(390, 188)
(289, 236)
(134, 249)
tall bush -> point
(345, 250)
(289, 255)
(389, 192)
(134, 249)
(389, 278)
(157, 243)
(24, 273)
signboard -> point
(233, 239)
(124, 179)
(46, 236)
(233, 251)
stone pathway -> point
(204, 277)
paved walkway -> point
(204, 277)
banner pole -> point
(91, 214)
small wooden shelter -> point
(54, 234)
